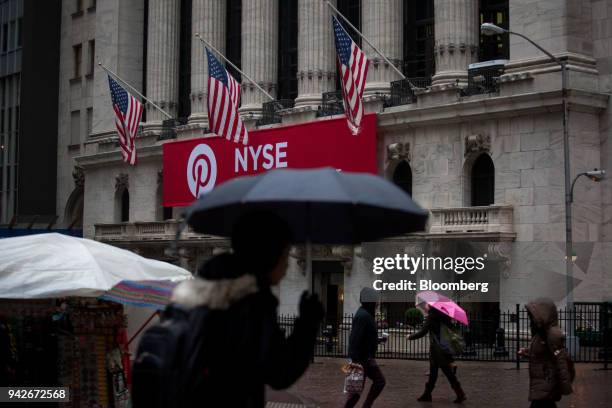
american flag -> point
(128, 111)
(223, 103)
(353, 66)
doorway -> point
(328, 279)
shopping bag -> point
(354, 378)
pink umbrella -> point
(443, 304)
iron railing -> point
(402, 91)
(489, 337)
(270, 111)
(331, 104)
(483, 81)
(169, 128)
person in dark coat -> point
(363, 342)
(246, 349)
(439, 359)
(550, 375)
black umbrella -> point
(321, 206)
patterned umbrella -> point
(149, 294)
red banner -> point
(196, 166)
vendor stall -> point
(62, 320)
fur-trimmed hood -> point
(218, 294)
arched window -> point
(402, 176)
(125, 205)
(483, 181)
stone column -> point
(456, 39)
(259, 52)
(208, 19)
(162, 58)
(383, 26)
(316, 54)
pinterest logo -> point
(201, 170)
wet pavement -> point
(487, 384)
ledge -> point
(490, 107)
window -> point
(402, 177)
(233, 35)
(483, 181)
(495, 46)
(13, 35)
(19, 31)
(92, 4)
(5, 33)
(125, 206)
(77, 55)
(79, 6)
(92, 56)
(89, 121)
(75, 127)
(287, 49)
(351, 9)
(419, 58)
(184, 101)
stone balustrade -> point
(143, 231)
(489, 219)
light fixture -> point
(596, 175)
(491, 29)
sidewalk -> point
(486, 384)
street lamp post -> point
(492, 29)
(596, 175)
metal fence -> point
(270, 111)
(331, 104)
(402, 92)
(490, 337)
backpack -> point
(450, 341)
(170, 364)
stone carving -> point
(398, 151)
(121, 182)
(477, 143)
(79, 176)
(502, 252)
(342, 253)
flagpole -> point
(108, 70)
(369, 43)
(206, 43)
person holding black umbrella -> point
(245, 347)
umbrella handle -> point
(142, 327)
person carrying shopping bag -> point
(442, 341)
(363, 342)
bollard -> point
(500, 343)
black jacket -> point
(363, 340)
(246, 347)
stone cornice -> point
(490, 107)
(102, 159)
